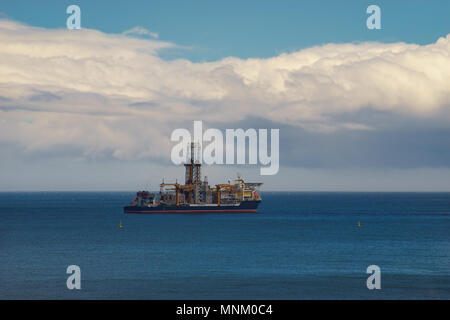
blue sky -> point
(254, 28)
(357, 109)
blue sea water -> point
(299, 246)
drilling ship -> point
(197, 196)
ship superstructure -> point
(196, 195)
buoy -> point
(120, 226)
(359, 224)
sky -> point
(93, 109)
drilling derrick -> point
(193, 174)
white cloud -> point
(112, 94)
(141, 31)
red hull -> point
(193, 211)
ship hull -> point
(243, 207)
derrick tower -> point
(193, 173)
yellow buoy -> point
(120, 226)
(359, 224)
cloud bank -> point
(102, 95)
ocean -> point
(300, 245)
